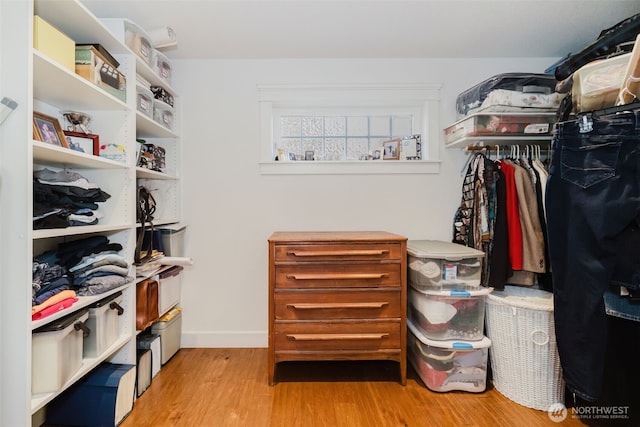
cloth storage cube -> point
(448, 315)
(434, 265)
(104, 397)
(104, 325)
(169, 327)
(169, 287)
(524, 354)
(448, 365)
(57, 351)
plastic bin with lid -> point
(173, 239)
(104, 324)
(169, 288)
(436, 265)
(163, 113)
(448, 315)
(57, 351)
(448, 365)
(144, 99)
(133, 36)
(169, 327)
(500, 124)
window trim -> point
(421, 95)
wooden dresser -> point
(337, 296)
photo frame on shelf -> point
(83, 142)
(309, 155)
(391, 149)
(47, 129)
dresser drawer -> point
(354, 275)
(337, 335)
(350, 304)
(324, 252)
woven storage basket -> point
(524, 355)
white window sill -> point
(350, 167)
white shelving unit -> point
(40, 84)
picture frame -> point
(47, 129)
(309, 155)
(391, 149)
(87, 143)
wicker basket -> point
(524, 355)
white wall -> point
(231, 209)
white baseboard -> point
(224, 339)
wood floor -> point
(228, 387)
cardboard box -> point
(93, 66)
(53, 43)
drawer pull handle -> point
(339, 337)
(334, 276)
(369, 305)
(363, 252)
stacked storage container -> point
(446, 342)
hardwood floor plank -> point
(229, 388)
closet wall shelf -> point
(499, 140)
(142, 173)
(64, 157)
(148, 128)
(74, 231)
(61, 87)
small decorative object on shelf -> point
(77, 121)
(47, 129)
(391, 149)
(83, 142)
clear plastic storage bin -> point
(163, 113)
(57, 352)
(500, 124)
(436, 265)
(133, 36)
(448, 315)
(448, 365)
(144, 100)
(104, 325)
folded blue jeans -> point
(592, 197)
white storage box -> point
(162, 66)
(104, 325)
(169, 327)
(448, 315)
(173, 239)
(144, 100)
(163, 113)
(525, 364)
(169, 288)
(434, 265)
(133, 36)
(57, 352)
(449, 365)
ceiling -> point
(241, 29)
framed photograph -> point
(47, 129)
(391, 149)
(83, 142)
(411, 148)
(309, 155)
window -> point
(342, 128)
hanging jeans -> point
(593, 196)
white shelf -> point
(60, 87)
(148, 128)
(499, 140)
(65, 157)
